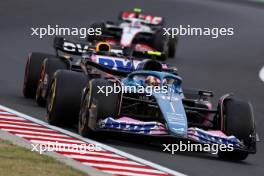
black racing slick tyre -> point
(32, 73)
(160, 43)
(172, 46)
(239, 121)
(97, 105)
(48, 68)
(64, 97)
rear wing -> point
(70, 47)
(148, 19)
(81, 48)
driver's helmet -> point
(152, 81)
(137, 12)
(102, 47)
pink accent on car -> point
(111, 41)
(216, 133)
(147, 18)
(143, 47)
(160, 128)
(164, 66)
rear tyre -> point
(64, 98)
(48, 68)
(96, 106)
(32, 73)
(239, 121)
(160, 43)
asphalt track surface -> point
(227, 64)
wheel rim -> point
(84, 109)
(83, 116)
(52, 95)
(26, 75)
(42, 74)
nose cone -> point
(174, 113)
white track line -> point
(11, 117)
(4, 113)
(92, 153)
(33, 132)
(119, 152)
(261, 74)
(19, 123)
(26, 127)
(98, 158)
(125, 167)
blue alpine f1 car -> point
(151, 104)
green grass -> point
(19, 161)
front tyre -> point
(64, 98)
(97, 106)
(239, 121)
